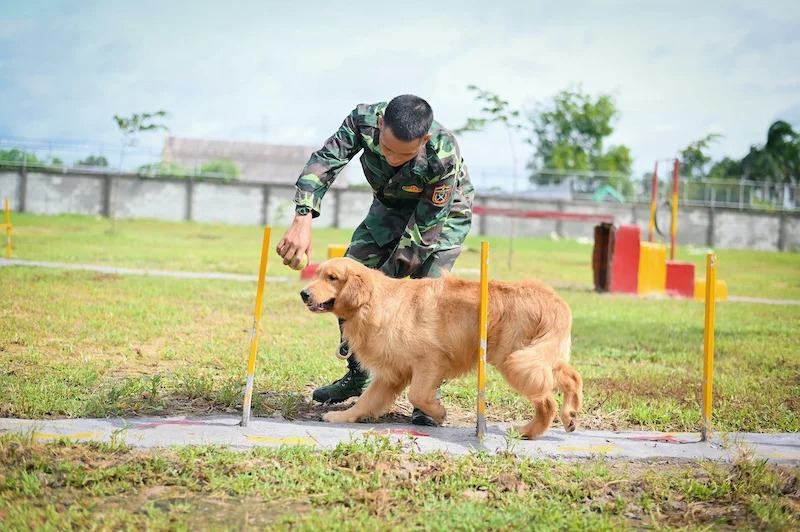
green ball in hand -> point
(302, 264)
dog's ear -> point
(357, 289)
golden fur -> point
(420, 332)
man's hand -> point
(296, 242)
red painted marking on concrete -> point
(663, 438)
(167, 422)
(547, 215)
(406, 432)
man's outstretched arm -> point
(316, 178)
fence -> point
(126, 195)
(145, 160)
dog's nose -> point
(306, 295)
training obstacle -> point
(483, 333)
(9, 228)
(255, 332)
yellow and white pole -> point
(673, 230)
(653, 204)
(708, 343)
(256, 330)
(8, 228)
(483, 326)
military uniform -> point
(421, 211)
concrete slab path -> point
(149, 432)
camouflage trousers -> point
(365, 249)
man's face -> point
(398, 152)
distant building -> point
(258, 162)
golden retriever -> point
(420, 332)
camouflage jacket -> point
(424, 205)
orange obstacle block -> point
(652, 268)
(336, 250)
(680, 279)
(625, 261)
(700, 290)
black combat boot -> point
(351, 385)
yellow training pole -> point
(673, 231)
(254, 333)
(708, 343)
(483, 326)
(653, 204)
(8, 229)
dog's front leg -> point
(375, 400)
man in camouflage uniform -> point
(421, 210)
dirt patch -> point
(300, 406)
(677, 386)
(198, 511)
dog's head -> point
(341, 286)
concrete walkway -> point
(225, 430)
(136, 271)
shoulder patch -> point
(441, 194)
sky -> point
(289, 72)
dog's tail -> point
(569, 381)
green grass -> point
(86, 344)
(76, 343)
(374, 483)
(235, 249)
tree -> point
(94, 161)
(497, 110)
(569, 132)
(223, 168)
(779, 159)
(15, 157)
(137, 123)
(694, 157)
(163, 168)
(726, 168)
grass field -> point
(375, 484)
(76, 343)
(86, 344)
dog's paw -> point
(569, 420)
(338, 416)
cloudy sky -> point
(263, 71)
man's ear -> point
(380, 122)
(357, 290)
(426, 138)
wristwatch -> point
(302, 210)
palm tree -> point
(779, 158)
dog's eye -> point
(332, 277)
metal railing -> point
(145, 160)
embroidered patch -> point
(413, 189)
(441, 194)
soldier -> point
(420, 214)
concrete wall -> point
(233, 205)
(145, 198)
(129, 196)
(9, 188)
(54, 194)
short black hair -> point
(408, 116)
